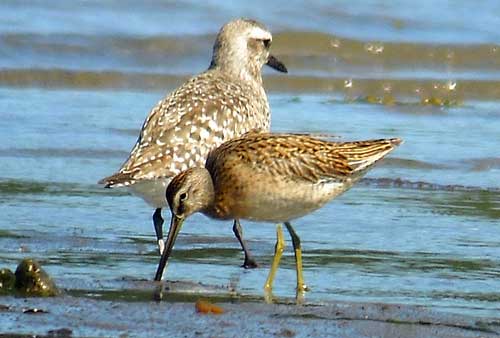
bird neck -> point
(207, 199)
(240, 67)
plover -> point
(219, 104)
(270, 178)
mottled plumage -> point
(224, 102)
(271, 178)
(181, 130)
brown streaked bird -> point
(219, 104)
(270, 178)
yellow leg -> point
(278, 251)
(301, 286)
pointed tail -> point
(362, 155)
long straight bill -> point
(175, 227)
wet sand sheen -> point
(395, 91)
(301, 50)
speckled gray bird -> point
(219, 104)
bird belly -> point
(283, 201)
(151, 191)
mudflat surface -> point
(67, 315)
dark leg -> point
(301, 286)
(158, 223)
(249, 263)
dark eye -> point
(183, 196)
(266, 43)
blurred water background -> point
(77, 79)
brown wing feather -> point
(299, 157)
(295, 156)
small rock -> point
(286, 333)
(7, 281)
(34, 311)
(60, 333)
(33, 281)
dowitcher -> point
(270, 178)
(219, 104)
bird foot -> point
(268, 294)
(302, 288)
(250, 263)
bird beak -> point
(276, 64)
(175, 227)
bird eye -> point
(183, 196)
(266, 43)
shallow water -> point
(422, 228)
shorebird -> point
(270, 178)
(219, 104)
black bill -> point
(175, 227)
(276, 64)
